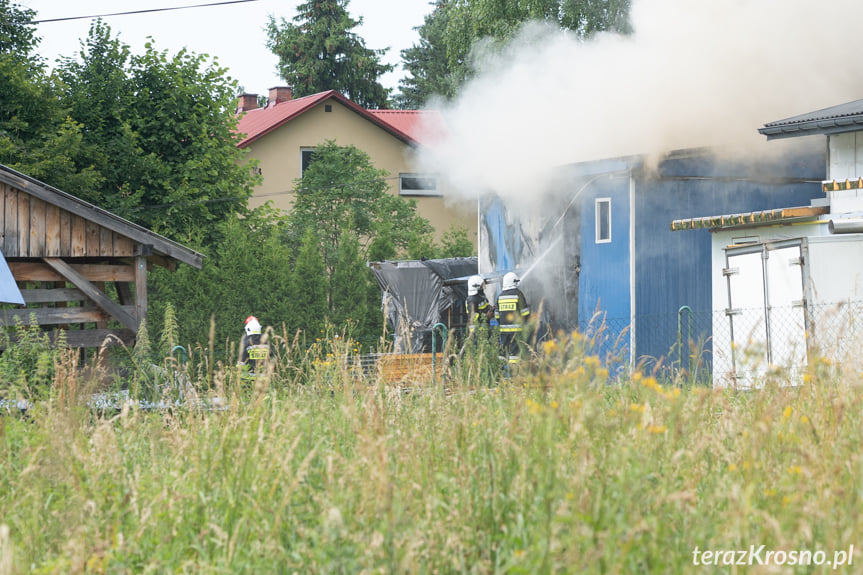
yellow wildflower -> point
(787, 413)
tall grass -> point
(557, 469)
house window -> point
(603, 220)
(418, 185)
(305, 159)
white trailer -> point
(785, 301)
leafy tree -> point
(452, 33)
(159, 130)
(350, 285)
(36, 137)
(455, 244)
(427, 63)
(342, 190)
(247, 272)
(320, 53)
(308, 294)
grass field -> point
(557, 470)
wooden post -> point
(141, 289)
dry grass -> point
(552, 471)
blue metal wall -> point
(604, 281)
(673, 269)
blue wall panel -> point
(604, 279)
(673, 269)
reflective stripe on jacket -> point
(512, 310)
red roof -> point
(422, 126)
(410, 126)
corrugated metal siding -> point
(673, 269)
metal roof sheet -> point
(846, 117)
(256, 123)
(9, 292)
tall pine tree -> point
(319, 52)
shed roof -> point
(256, 123)
(846, 117)
(87, 211)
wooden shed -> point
(63, 252)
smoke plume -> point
(705, 73)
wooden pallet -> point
(408, 368)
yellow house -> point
(283, 134)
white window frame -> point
(422, 192)
(598, 202)
(303, 151)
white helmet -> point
(510, 280)
(253, 326)
(474, 284)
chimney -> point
(279, 94)
(247, 102)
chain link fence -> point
(737, 348)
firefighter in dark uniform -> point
(512, 312)
(254, 352)
(479, 310)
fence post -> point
(684, 308)
(435, 327)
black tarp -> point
(416, 295)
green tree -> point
(319, 52)
(247, 272)
(159, 130)
(308, 293)
(453, 34)
(350, 280)
(342, 190)
(36, 136)
(427, 64)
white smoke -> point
(703, 73)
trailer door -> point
(766, 310)
(785, 308)
(746, 314)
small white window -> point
(603, 220)
(418, 185)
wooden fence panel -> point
(79, 236)
(23, 224)
(10, 244)
(36, 249)
(52, 231)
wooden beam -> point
(141, 288)
(34, 271)
(55, 316)
(81, 338)
(91, 291)
(124, 292)
(55, 295)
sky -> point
(232, 33)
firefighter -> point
(512, 312)
(479, 310)
(253, 350)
